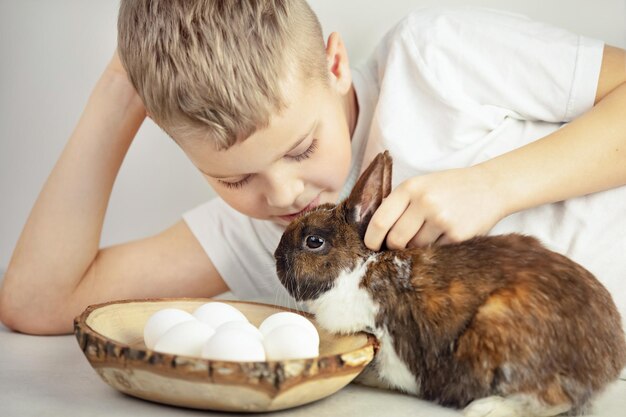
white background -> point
(52, 53)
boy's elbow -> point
(22, 321)
(9, 315)
(5, 312)
(11, 320)
(25, 317)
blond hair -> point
(218, 68)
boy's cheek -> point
(242, 201)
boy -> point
(469, 103)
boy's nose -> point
(283, 192)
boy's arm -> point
(585, 156)
(57, 268)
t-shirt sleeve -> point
(240, 248)
(486, 58)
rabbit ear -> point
(369, 191)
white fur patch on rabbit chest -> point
(348, 308)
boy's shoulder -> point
(434, 36)
(437, 20)
(430, 34)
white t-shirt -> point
(450, 88)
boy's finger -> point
(429, 233)
(405, 228)
(384, 218)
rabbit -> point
(496, 325)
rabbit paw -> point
(513, 406)
(492, 407)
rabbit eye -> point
(313, 242)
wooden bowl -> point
(111, 337)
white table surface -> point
(49, 376)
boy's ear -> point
(338, 64)
(369, 191)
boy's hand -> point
(443, 207)
(115, 69)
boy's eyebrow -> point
(297, 143)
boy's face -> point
(301, 160)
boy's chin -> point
(280, 222)
(322, 198)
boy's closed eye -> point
(296, 155)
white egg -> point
(290, 341)
(243, 326)
(186, 338)
(215, 313)
(286, 317)
(234, 345)
(162, 321)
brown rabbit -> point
(499, 325)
